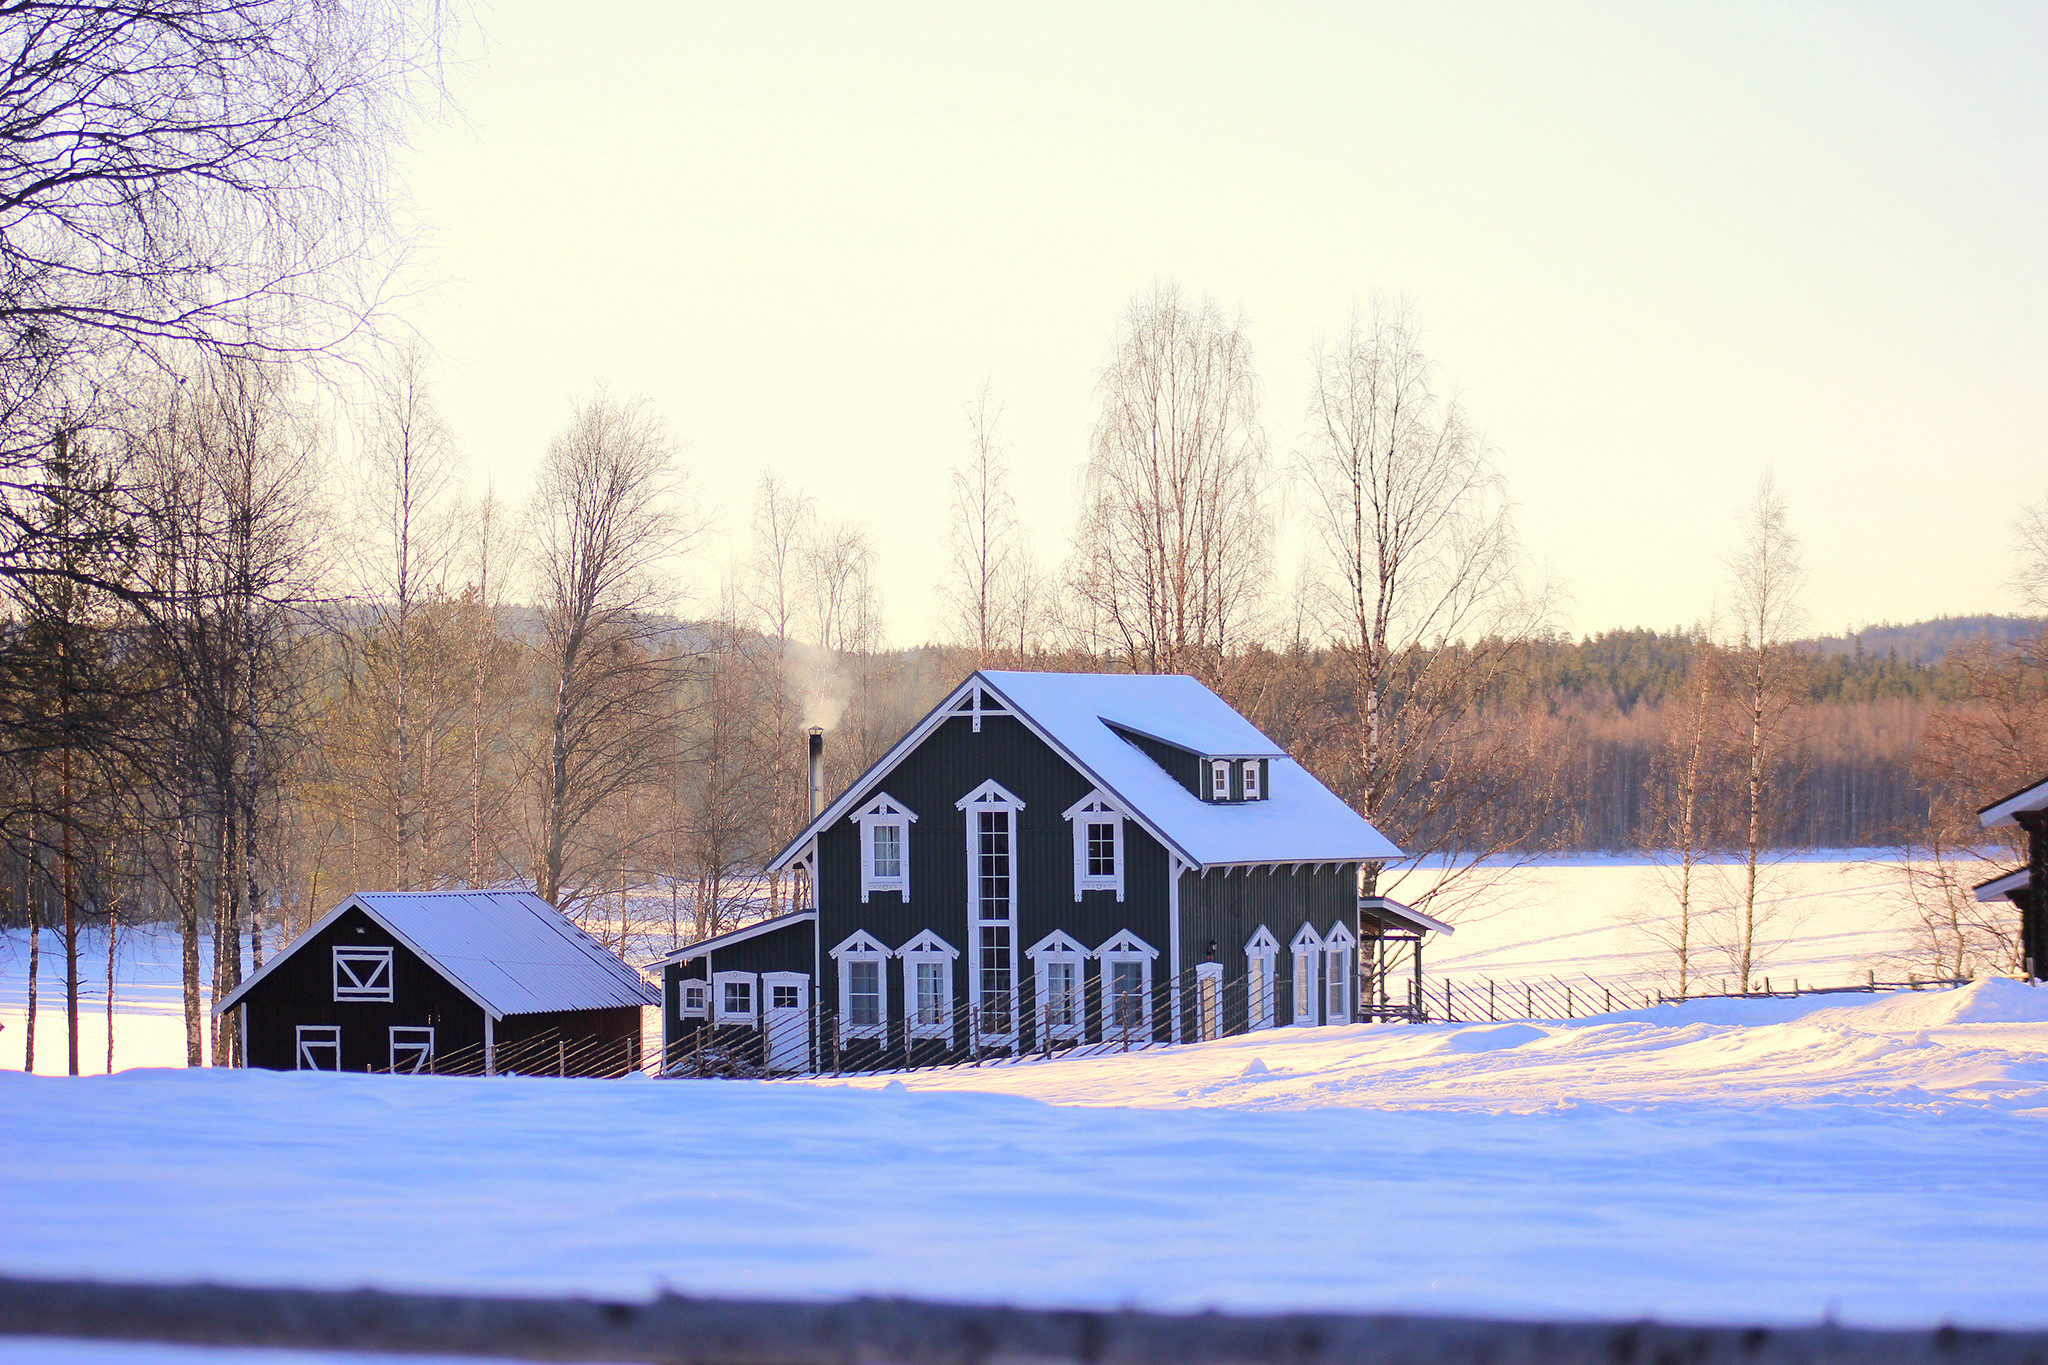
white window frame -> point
(1254, 779)
(1306, 949)
(1261, 960)
(351, 983)
(413, 1042)
(1219, 768)
(1059, 947)
(1340, 974)
(991, 796)
(928, 947)
(700, 1010)
(1096, 809)
(1125, 946)
(316, 1036)
(720, 1014)
(861, 946)
(884, 812)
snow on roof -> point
(2028, 798)
(509, 951)
(1999, 887)
(1300, 821)
(740, 935)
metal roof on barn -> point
(510, 951)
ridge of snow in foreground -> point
(1723, 1161)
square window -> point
(739, 997)
(693, 997)
(784, 998)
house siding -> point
(1228, 906)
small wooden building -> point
(2026, 887)
(452, 982)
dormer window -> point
(1251, 779)
(1219, 780)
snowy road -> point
(1772, 1160)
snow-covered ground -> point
(1722, 1160)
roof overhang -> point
(2000, 887)
(234, 997)
(1386, 908)
(740, 935)
(2026, 799)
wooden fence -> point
(687, 1331)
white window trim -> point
(861, 946)
(720, 1013)
(1208, 1001)
(1254, 779)
(1219, 767)
(413, 1042)
(1306, 946)
(1058, 947)
(884, 812)
(1262, 948)
(316, 1035)
(350, 981)
(1125, 946)
(1340, 949)
(990, 795)
(684, 1010)
(1095, 809)
(927, 947)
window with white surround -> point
(1307, 947)
(1340, 946)
(992, 908)
(1253, 770)
(362, 974)
(319, 1046)
(863, 986)
(1219, 779)
(1208, 1000)
(695, 999)
(928, 985)
(1057, 966)
(885, 846)
(1098, 825)
(1126, 986)
(412, 1049)
(1261, 953)
(733, 997)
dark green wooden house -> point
(1046, 860)
(2027, 886)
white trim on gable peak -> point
(976, 705)
(885, 821)
(1094, 810)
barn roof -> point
(702, 946)
(1078, 714)
(509, 951)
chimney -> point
(817, 770)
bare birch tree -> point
(2030, 572)
(606, 529)
(1421, 596)
(1767, 576)
(987, 588)
(1173, 550)
(1680, 829)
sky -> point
(1657, 251)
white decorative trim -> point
(1126, 947)
(885, 812)
(928, 948)
(1219, 767)
(1307, 949)
(416, 1043)
(988, 798)
(1096, 808)
(312, 1038)
(1254, 774)
(1061, 1014)
(977, 705)
(1261, 987)
(362, 973)
(721, 1012)
(1340, 975)
(861, 946)
(1208, 1001)
(685, 987)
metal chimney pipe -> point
(817, 770)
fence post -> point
(1489, 999)
(1447, 1000)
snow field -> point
(1769, 1160)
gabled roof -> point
(1387, 908)
(508, 951)
(2028, 798)
(1300, 821)
(2003, 885)
(740, 935)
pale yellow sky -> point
(1657, 249)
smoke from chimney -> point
(817, 770)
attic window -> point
(1251, 779)
(362, 974)
(1219, 780)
